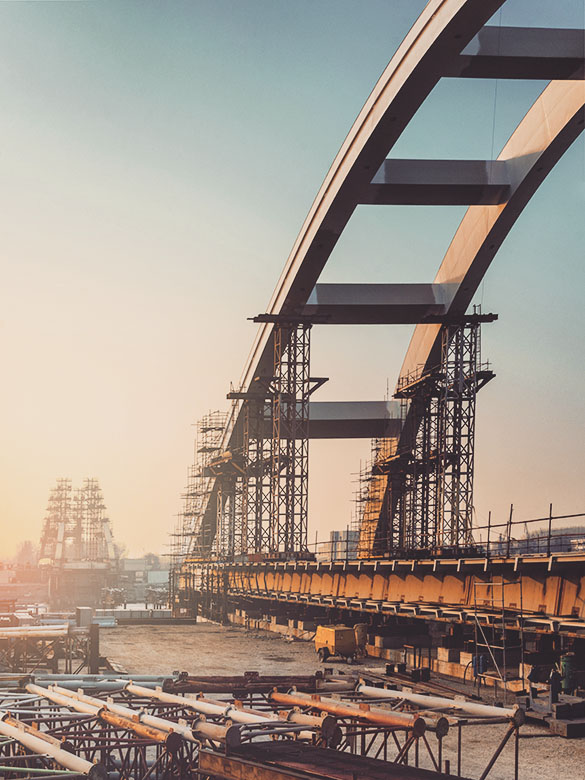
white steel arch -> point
(448, 39)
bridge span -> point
(243, 544)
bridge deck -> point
(548, 589)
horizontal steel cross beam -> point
(354, 419)
(521, 53)
(439, 183)
(369, 304)
(348, 420)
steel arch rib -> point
(437, 37)
(545, 133)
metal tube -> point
(64, 701)
(60, 743)
(62, 757)
(199, 730)
(103, 676)
(346, 710)
(433, 702)
(34, 632)
(499, 749)
(334, 685)
(73, 685)
(26, 770)
(326, 724)
(172, 740)
(207, 707)
(44, 627)
(240, 714)
(45, 715)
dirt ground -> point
(207, 648)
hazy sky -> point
(157, 160)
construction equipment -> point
(335, 641)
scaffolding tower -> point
(419, 490)
(435, 505)
(290, 439)
(504, 659)
(197, 526)
(268, 497)
(76, 527)
(372, 495)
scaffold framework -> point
(76, 527)
(276, 450)
(417, 493)
(196, 533)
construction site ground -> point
(207, 649)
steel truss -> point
(433, 483)
(255, 527)
(273, 515)
(290, 438)
(68, 651)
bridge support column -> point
(256, 486)
(460, 366)
(290, 438)
(433, 508)
(276, 451)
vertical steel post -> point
(509, 530)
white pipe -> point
(34, 632)
(65, 701)
(35, 627)
(62, 757)
(207, 707)
(207, 730)
(433, 702)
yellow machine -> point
(335, 640)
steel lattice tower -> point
(270, 499)
(463, 375)
(255, 529)
(431, 482)
(290, 442)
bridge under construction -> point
(422, 568)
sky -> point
(157, 161)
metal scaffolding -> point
(437, 502)
(427, 479)
(372, 495)
(290, 439)
(502, 660)
(76, 528)
(255, 529)
(270, 497)
(197, 520)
